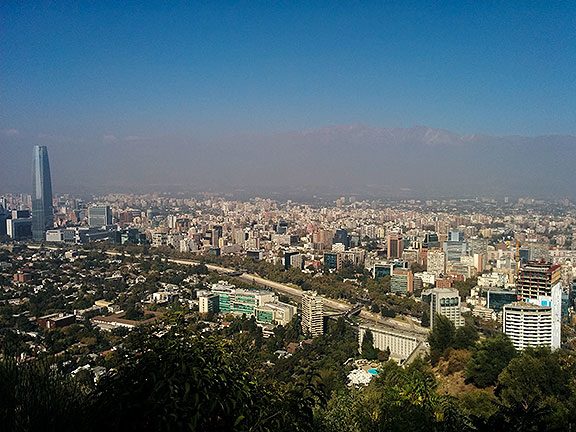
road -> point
(295, 292)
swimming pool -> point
(373, 371)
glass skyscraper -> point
(42, 211)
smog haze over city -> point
(386, 98)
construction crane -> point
(517, 254)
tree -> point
(185, 381)
(368, 350)
(426, 318)
(535, 378)
(465, 337)
(441, 337)
(488, 360)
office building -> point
(332, 261)
(99, 216)
(341, 236)
(402, 281)
(535, 279)
(445, 301)
(19, 226)
(275, 312)
(456, 236)
(216, 235)
(395, 245)
(4, 216)
(530, 325)
(42, 210)
(312, 314)
(497, 299)
(263, 305)
(431, 241)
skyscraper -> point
(42, 210)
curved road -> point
(330, 303)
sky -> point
(88, 73)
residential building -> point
(436, 262)
(530, 325)
(312, 313)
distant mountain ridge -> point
(423, 134)
(419, 161)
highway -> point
(342, 305)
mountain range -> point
(412, 162)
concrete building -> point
(207, 302)
(312, 314)
(530, 325)
(56, 320)
(277, 312)
(536, 279)
(264, 305)
(436, 262)
(445, 301)
(400, 345)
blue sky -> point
(219, 68)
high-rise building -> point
(99, 216)
(332, 260)
(341, 236)
(42, 210)
(216, 235)
(436, 262)
(395, 245)
(455, 249)
(445, 301)
(536, 279)
(312, 313)
(530, 325)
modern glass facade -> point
(42, 210)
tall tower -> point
(312, 314)
(395, 245)
(42, 211)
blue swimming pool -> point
(373, 371)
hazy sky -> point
(141, 93)
(209, 69)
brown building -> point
(395, 245)
(56, 320)
(443, 283)
(21, 276)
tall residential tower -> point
(42, 210)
